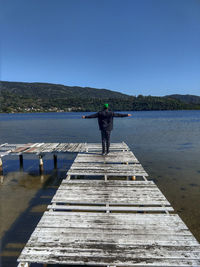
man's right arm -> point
(90, 116)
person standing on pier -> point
(105, 120)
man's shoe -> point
(103, 153)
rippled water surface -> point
(167, 143)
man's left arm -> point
(121, 115)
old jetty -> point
(121, 220)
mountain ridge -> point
(67, 90)
(48, 97)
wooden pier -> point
(40, 149)
(113, 221)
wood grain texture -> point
(107, 169)
(115, 157)
(112, 192)
(69, 241)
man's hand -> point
(129, 115)
(83, 117)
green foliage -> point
(43, 97)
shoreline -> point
(80, 111)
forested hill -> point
(45, 90)
(45, 97)
(188, 99)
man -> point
(105, 120)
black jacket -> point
(105, 119)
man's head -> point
(105, 106)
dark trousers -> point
(105, 137)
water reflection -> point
(1, 177)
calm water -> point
(167, 143)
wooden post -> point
(107, 208)
(127, 177)
(144, 178)
(68, 177)
(86, 148)
(55, 161)
(1, 164)
(41, 167)
(21, 163)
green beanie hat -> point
(105, 105)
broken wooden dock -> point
(110, 222)
(40, 149)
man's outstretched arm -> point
(90, 116)
(121, 115)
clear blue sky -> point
(149, 47)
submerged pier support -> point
(21, 162)
(55, 161)
(1, 164)
(1, 171)
(41, 164)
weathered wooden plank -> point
(125, 157)
(34, 148)
(98, 261)
(113, 146)
(109, 228)
(115, 222)
(116, 183)
(71, 147)
(108, 169)
(47, 148)
(1, 145)
(96, 218)
(100, 200)
(7, 147)
(101, 192)
(110, 208)
(103, 165)
(5, 153)
(122, 144)
(61, 147)
(73, 242)
(99, 251)
(22, 148)
(109, 172)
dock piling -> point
(41, 165)
(55, 160)
(1, 164)
(21, 162)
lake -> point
(167, 144)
